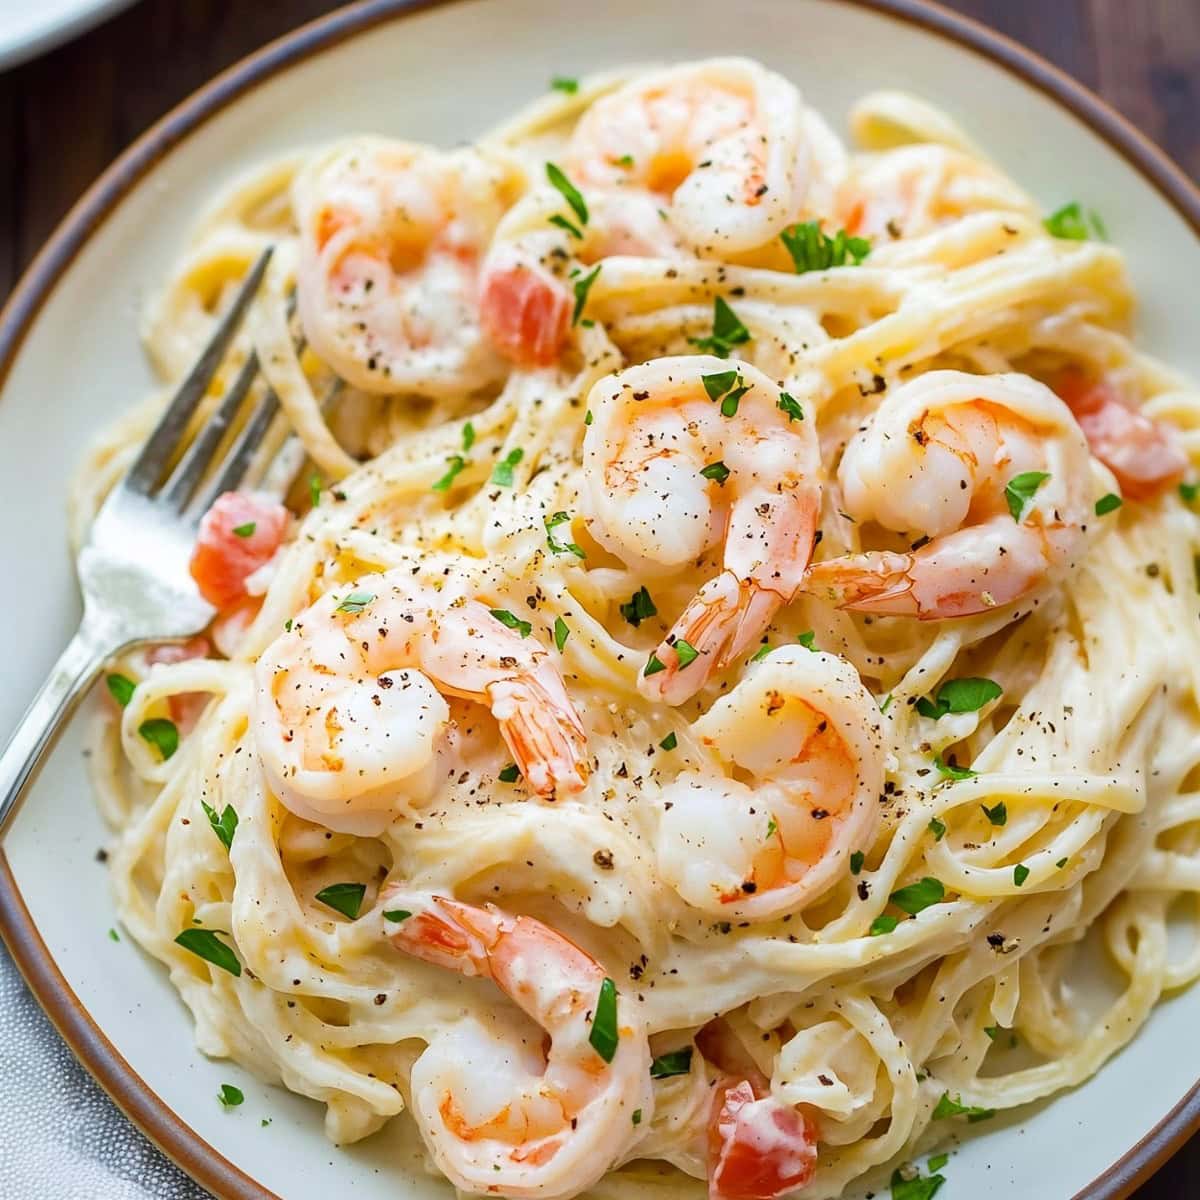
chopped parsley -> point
(1020, 874)
(807, 639)
(626, 161)
(959, 696)
(604, 1035)
(1062, 862)
(121, 687)
(883, 924)
(919, 1187)
(1189, 491)
(813, 250)
(229, 1096)
(570, 192)
(512, 621)
(639, 607)
(396, 914)
(345, 898)
(947, 1107)
(885, 703)
(468, 436)
(997, 814)
(917, 897)
(314, 490)
(937, 828)
(561, 632)
(225, 825)
(685, 652)
(669, 742)
(937, 1162)
(1107, 503)
(675, 1062)
(726, 386)
(502, 472)
(562, 222)
(952, 770)
(653, 665)
(728, 331)
(205, 944)
(114, 935)
(761, 652)
(637, 1116)
(510, 774)
(1020, 489)
(563, 83)
(245, 531)
(856, 862)
(355, 602)
(161, 734)
(717, 471)
(790, 406)
(455, 462)
(582, 287)
(559, 547)
(1075, 223)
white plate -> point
(28, 27)
(442, 74)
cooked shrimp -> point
(914, 190)
(349, 712)
(239, 534)
(990, 471)
(670, 475)
(804, 726)
(527, 299)
(391, 239)
(1139, 452)
(501, 1115)
(759, 1147)
(720, 144)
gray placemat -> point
(61, 1137)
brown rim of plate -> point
(152, 1115)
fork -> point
(133, 570)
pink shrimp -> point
(238, 534)
(497, 1114)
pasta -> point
(742, 618)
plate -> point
(441, 72)
(29, 28)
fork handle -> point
(69, 680)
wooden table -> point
(64, 117)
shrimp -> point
(991, 471)
(391, 239)
(914, 190)
(721, 145)
(1139, 451)
(502, 1116)
(239, 534)
(759, 1147)
(671, 471)
(349, 713)
(526, 298)
(803, 725)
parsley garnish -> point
(885, 703)
(653, 666)
(772, 827)
(1062, 862)
(937, 1162)
(205, 944)
(603, 1036)
(637, 1116)
(229, 1096)
(685, 652)
(121, 687)
(728, 331)
(161, 734)
(224, 826)
(716, 471)
(791, 406)
(917, 897)
(113, 935)
(314, 490)
(468, 436)
(952, 770)
(456, 463)
(761, 652)
(626, 160)
(726, 384)
(856, 862)
(1020, 874)
(502, 472)
(1108, 503)
(946, 1107)
(1189, 491)
(807, 639)
(557, 547)
(674, 1062)
(396, 914)
(355, 602)
(639, 607)
(561, 632)
(1072, 222)
(509, 774)
(569, 192)
(345, 898)
(937, 828)
(245, 531)
(563, 83)
(1019, 491)
(918, 1187)
(562, 222)
(883, 924)
(997, 814)
(812, 250)
(512, 621)
(669, 742)
(582, 287)
(959, 696)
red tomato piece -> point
(525, 312)
(224, 558)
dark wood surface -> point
(65, 116)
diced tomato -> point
(525, 312)
(758, 1147)
(223, 558)
(1139, 451)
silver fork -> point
(133, 571)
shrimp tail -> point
(439, 934)
(723, 619)
(876, 582)
(544, 734)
